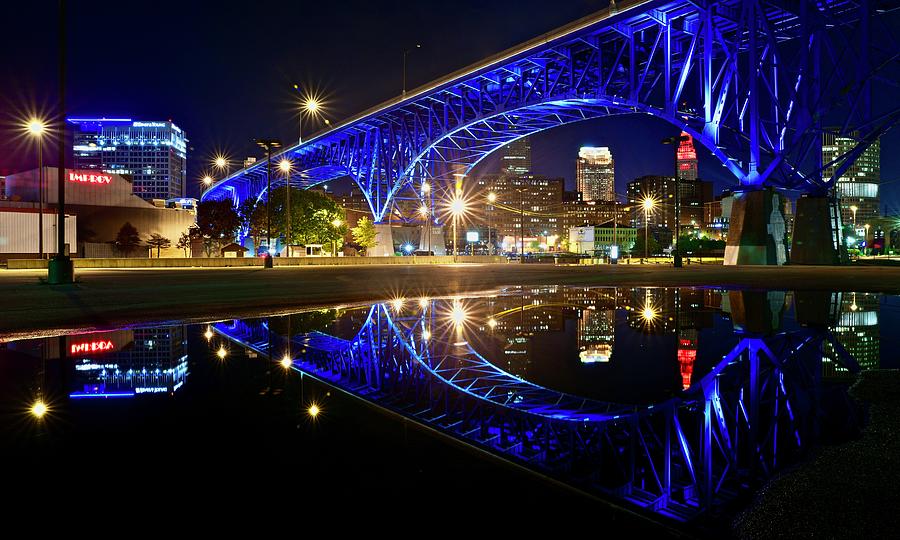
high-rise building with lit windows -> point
(152, 155)
(595, 174)
(857, 186)
(516, 158)
(686, 159)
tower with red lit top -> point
(686, 159)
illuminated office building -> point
(595, 174)
(858, 185)
(686, 159)
(151, 155)
(516, 158)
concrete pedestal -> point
(813, 240)
(757, 233)
(438, 247)
(384, 239)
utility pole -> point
(60, 269)
(674, 141)
(268, 145)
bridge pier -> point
(384, 238)
(435, 239)
(757, 233)
(813, 238)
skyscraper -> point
(858, 185)
(595, 174)
(686, 159)
(516, 159)
(152, 155)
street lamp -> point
(867, 237)
(457, 209)
(36, 129)
(221, 163)
(337, 225)
(426, 194)
(310, 105)
(648, 205)
(492, 198)
(207, 180)
(854, 208)
(268, 145)
(285, 166)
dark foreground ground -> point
(844, 491)
(107, 298)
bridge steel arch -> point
(756, 82)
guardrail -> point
(225, 262)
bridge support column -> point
(813, 238)
(384, 238)
(757, 232)
(436, 239)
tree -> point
(253, 219)
(313, 215)
(638, 249)
(217, 223)
(364, 234)
(159, 242)
(127, 238)
(184, 242)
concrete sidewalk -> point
(103, 299)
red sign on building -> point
(87, 177)
(102, 345)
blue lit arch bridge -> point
(734, 425)
(754, 81)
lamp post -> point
(867, 237)
(676, 261)
(426, 192)
(405, 53)
(457, 208)
(648, 205)
(337, 225)
(423, 213)
(521, 225)
(60, 268)
(207, 181)
(492, 198)
(285, 166)
(268, 145)
(309, 106)
(854, 208)
(36, 129)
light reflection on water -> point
(622, 391)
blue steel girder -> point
(756, 82)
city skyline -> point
(223, 123)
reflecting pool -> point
(676, 402)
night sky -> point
(224, 72)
